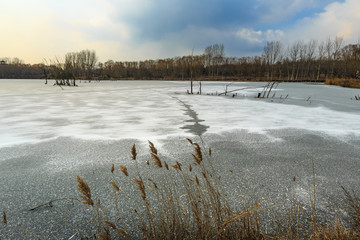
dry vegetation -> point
(186, 201)
(343, 82)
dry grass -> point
(85, 192)
(4, 217)
(186, 201)
(350, 83)
(353, 205)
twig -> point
(236, 90)
(51, 202)
(73, 236)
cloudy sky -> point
(127, 30)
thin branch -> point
(50, 203)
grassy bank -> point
(187, 201)
(343, 82)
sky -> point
(132, 30)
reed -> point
(85, 192)
(344, 82)
(4, 217)
(186, 201)
(353, 206)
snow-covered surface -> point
(49, 135)
(31, 111)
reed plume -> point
(84, 190)
(122, 231)
(197, 160)
(141, 188)
(153, 182)
(4, 218)
(198, 151)
(152, 148)
(124, 170)
(133, 152)
(116, 187)
(179, 165)
(110, 224)
(157, 161)
(197, 180)
(166, 165)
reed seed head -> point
(116, 187)
(190, 168)
(141, 188)
(103, 236)
(156, 159)
(197, 160)
(210, 152)
(122, 231)
(110, 224)
(198, 151)
(175, 166)
(133, 152)
(124, 170)
(190, 141)
(112, 169)
(294, 178)
(166, 165)
(4, 217)
(153, 182)
(179, 165)
(197, 180)
(84, 190)
(152, 148)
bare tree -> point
(214, 57)
(321, 55)
(329, 46)
(272, 54)
(311, 48)
(294, 51)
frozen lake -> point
(48, 135)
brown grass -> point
(353, 205)
(189, 203)
(349, 83)
(4, 218)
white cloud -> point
(277, 10)
(253, 36)
(337, 19)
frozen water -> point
(31, 111)
(49, 135)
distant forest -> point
(301, 61)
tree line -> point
(301, 61)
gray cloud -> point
(174, 27)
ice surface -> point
(31, 111)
